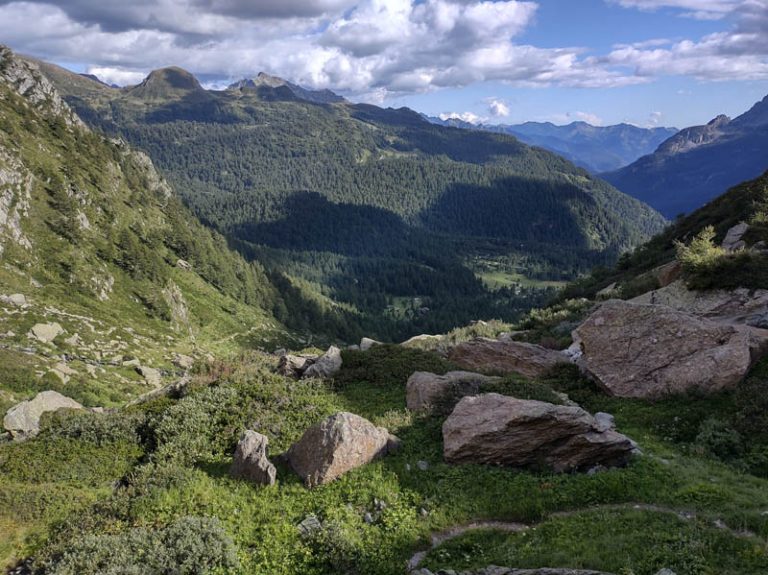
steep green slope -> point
(747, 202)
(377, 211)
(96, 242)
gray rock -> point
(367, 343)
(294, 365)
(23, 420)
(422, 465)
(183, 361)
(490, 355)
(499, 430)
(425, 390)
(650, 351)
(151, 375)
(665, 571)
(45, 332)
(15, 299)
(604, 421)
(251, 461)
(327, 365)
(309, 525)
(335, 446)
(733, 238)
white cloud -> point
(464, 117)
(498, 108)
(697, 9)
(570, 117)
(116, 75)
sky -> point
(646, 62)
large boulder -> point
(251, 461)
(294, 365)
(500, 430)
(45, 332)
(734, 237)
(23, 420)
(649, 351)
(736, 305)
(336, 445)
(425, 390)
(496, 356)
(327, 365)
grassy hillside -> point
(362, 207)
(98, 243)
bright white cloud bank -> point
(373, 48)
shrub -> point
(716, 438)
(97, 428)
(385, 365)
(188, 546)
(701, 253)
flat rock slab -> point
(337, 445)
(23, 419)
(496, 429)
(425, 390)
(45, 332)
(651, 351)
(496, 356)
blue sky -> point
(647, 62)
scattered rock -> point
(424, 390)
(490, 355)
(422, 465)
(63, 371)
(422, 341)
(23, 419)
(151, 375)
(733, 238)
(135, 362)
(73, 341)
(183, 361)
(649, 351)
(499, 430)
(665, 571)
(326, 366)
(336, 445)
(294, 365)
(183, 264)
(309, 525)
(15, 299)
(607, 292)
(367, 343)
(91, 369)
(45, 332)
(251, 461)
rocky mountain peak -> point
(171, 82)
(25, 78)
(756, 116)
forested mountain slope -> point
(381, 217)
(97, 249)
(697, 164)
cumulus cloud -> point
(469, 117)
(498, 108)
(370, 49)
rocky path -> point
(440, 537)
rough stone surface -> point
(424, 390)
(151, 375)
(251, 461)
(294, 365)
(367, 343)
(336, 445)
(500, 430)
(736, 306)
(45, 332)
(733, 238)
(423, 340)
(649, 351)
(668, 273)
(15, 299)
(23, 419)
(183, 361)
(493, 570)
(490, 355)
(327, 365)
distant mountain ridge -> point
(694, 166)
(265, 80)
(595, 148)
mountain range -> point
(694, 166)
(389, 224)
(595, 148)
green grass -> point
(189, 444)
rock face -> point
(496, 356)
(367, 343)
(649, 351)
(336, 445)
(251, 461)
(294, 365)
(46, 332)
(733, 238)
(327, 365)
(151, 375)
(425, 390)
(23, 420)
(736, 305)
(499, 430)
